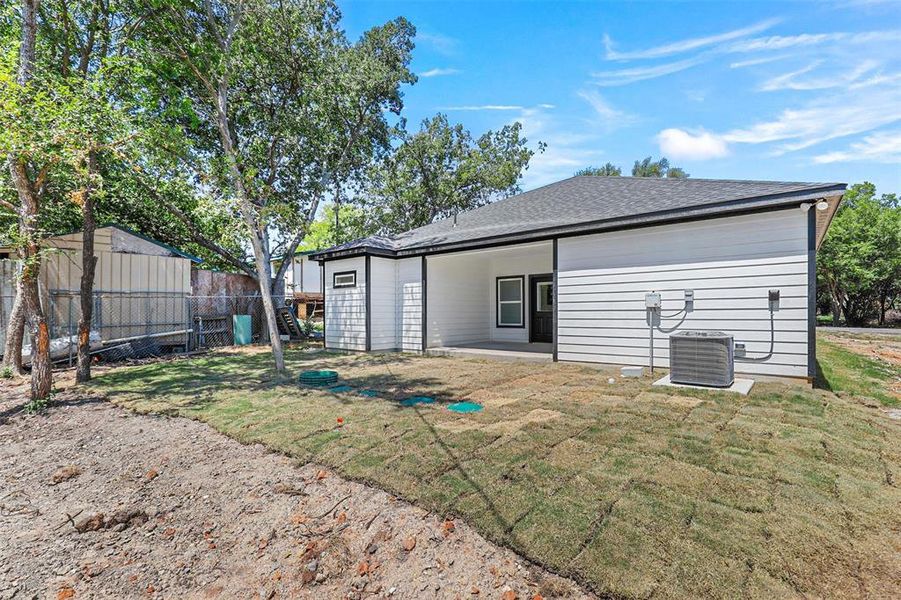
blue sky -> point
(751, 90)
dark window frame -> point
(522, 301)
(337, 274)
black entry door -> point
(541, 311)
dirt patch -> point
(680, 401)
(539, 415)
(885, 349)
(149, 506)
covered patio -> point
(492, 302)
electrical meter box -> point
(774, 299)
(652, 300)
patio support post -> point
(368, 304)
(322, 268)
(812, 294)
(556, 297)
(424, 311)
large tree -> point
(441, 170)
(28, 136)
(859, 263)
(607, 170)
(657, 168)
(276, 108)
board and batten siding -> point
(408, 307)
(345, 308)
(395, 305)
(458, 297)
(730, 263)
(383, 312)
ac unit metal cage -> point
(702, 358)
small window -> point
(510, 305)
(545, 295)
(347, 279)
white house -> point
(564, 270)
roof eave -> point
(707, 211)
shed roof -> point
(585, 204)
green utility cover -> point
(242, 329)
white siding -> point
(310, 276)
(383, 303)
(408, 304)
(536, 259)
(458, 298)
(345, 308)
(730, 263)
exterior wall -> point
(458, 294)
(408, 304)
(383, 309)
(345, 308)
(304, 276)
(534, 259)
(730, 263)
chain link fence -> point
(128, 325)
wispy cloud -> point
(685, 45)
(757, 61)
(631, 75)
(792, 80)
(685, 145)
(438, 42)
(438, 72)
(782, 42)
(608, 116)
(882, 147)
(824, 119)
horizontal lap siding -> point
(730, 263)
(382, 305)
(457, 299)
(408, 304)
(345, 308)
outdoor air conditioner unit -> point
(702, 358)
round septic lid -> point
(464, 407)
(318, 377)
(414, 400)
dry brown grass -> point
(633, 491)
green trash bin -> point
(242, 329)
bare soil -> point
(96, 501)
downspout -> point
(423, 299)
(811, 295)
(368, 262)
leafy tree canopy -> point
(642, 168)
(440, 170)
(859, 263)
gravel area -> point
(96, 501)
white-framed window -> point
(344, 279)
(511, 301)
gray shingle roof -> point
(589, 203)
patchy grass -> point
(634, 491)
(844, 370)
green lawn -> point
(633, 490)
(846, 371)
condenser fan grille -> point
(702, 358)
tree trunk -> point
(256, 230)
(88, 265)
(15, 331)
(41, 374)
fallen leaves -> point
(151, 474)
(342, 517)
(448, 527)
(363, 568)
(321, 474)
(64, 474)
(508, 595)
(409, 543)
(65, 593)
